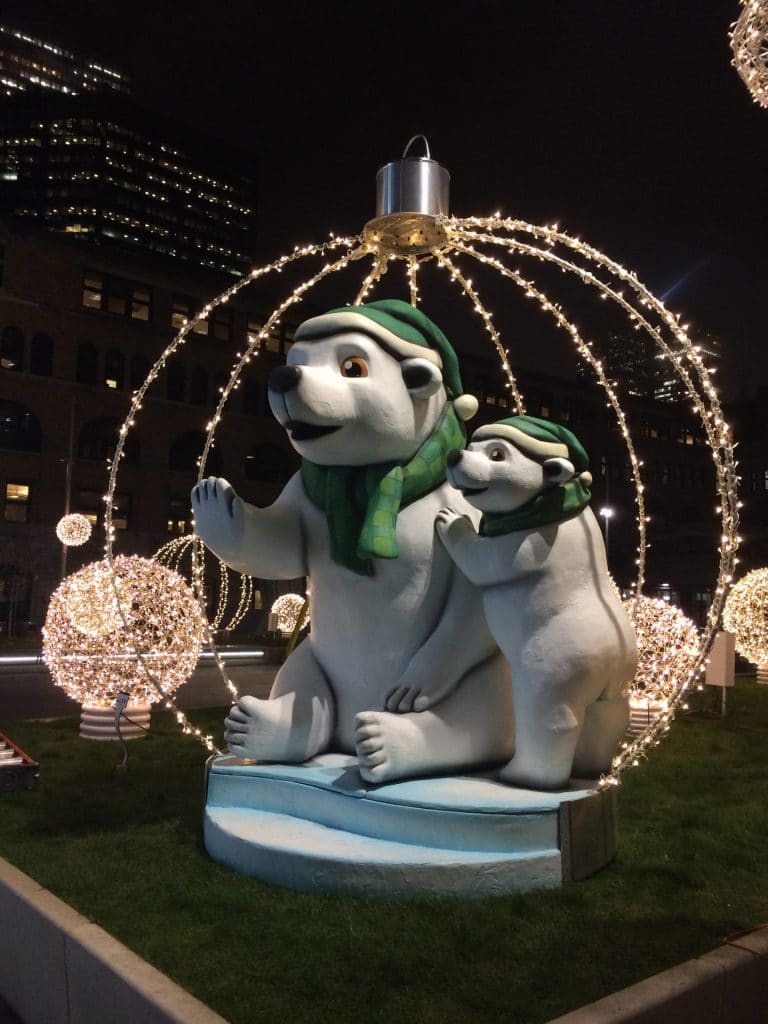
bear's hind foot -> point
(385, 745)
(537, 776)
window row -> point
(13, 352)
(617, 469)
(120, 297)
(97, 441)
(17, 506)
(196, 386)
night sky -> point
(621, 120)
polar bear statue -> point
(400, 667)
(540, 560)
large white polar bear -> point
(549, 601)
(400, 665)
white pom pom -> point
(466, 407)
(585, 478)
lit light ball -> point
(746, 616)
(93, 654)
(667, 646)
(74, 530)
(749, 43)
(287, 608)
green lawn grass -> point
(126, 851)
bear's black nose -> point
(453, 456)
(284, 378)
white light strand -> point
(379, 268)
(485, 316)
(300, 252)
(712, 418)
(463, 236)
(174, 553)
(413, 287)
(585, 351)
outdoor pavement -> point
(7, 1016)
(27, 690)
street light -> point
(606, 513)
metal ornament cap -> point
(411, 194)
(413, 185)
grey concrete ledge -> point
(727, 986)
(57, 967)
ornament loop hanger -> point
(415, 138)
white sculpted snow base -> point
(540, 561)
(400, 667)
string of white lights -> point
(300, 252)
(711, 418)
(471, 293)
(413, 287)
(584, 348)
(645, 312)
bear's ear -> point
(558, 471)
(421, 377)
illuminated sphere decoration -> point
(74, 530)
(413, 239)
(144, 640)
(749, 43)
(667, 645)
(746, 616)
(288, 608)
(187, 556)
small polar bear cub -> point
(540, 560)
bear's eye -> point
(355, 367)
(497, 455)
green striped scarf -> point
(551, 506)
(361, 503)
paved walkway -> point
(27, 690)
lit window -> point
(116, 296)
(273, 343)
(16, 503)
(121, 511)
(179, 516)
(201, 327)
(93, 287)
(180, 314)
(140, 301)
(253, 331)
(12, 348)
(114, 369)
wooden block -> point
(721, 670)
(588, 834)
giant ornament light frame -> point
(413, 229)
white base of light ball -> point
(98, 722)
(643, 712)
(762, 674)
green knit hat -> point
(541, 439)
(404, 331)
